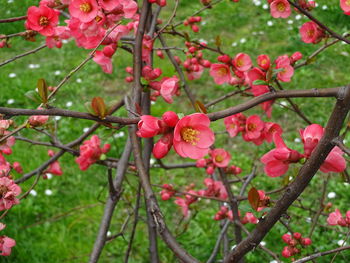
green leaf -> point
(42, 90)
(260, 82)
(99, 107)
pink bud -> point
(224, 58)
(286, 238)
(170, 118)
(306, 241)
(297, 235)
(201, 163)
(18, 168)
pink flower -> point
(6, 243)
(263, 61)
(221, 73)
(254, 127)
(280, 8)
(192, 136)
(42, 19)
(170, 118)
(103, 58)
(334, 162)
(311, 33)
(17, 167)
(84, 10)
(147, 47)
(90, 152)
(38, 120)
(242, 62)
(61, 32)
(270, 129)
(8, 192)
(310, 136)
(168, 88)
(283, 62)
(334, 218)
(148, 126)
(220, 157)
(214, 189)
(184, 203)
(163, 146)
(249, 218)
(5, 166)
(277, 160)
(54, 167)
(235, 124)
(345, 5)
(5, 147)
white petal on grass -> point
(297, 140)
(57, 118)
(69, 104)
(298, 17)
(57, 72)
(324, 7)
(49, 176)
(48, 192)
(79, 80)
(341, 242)
(331, 195)
(12, 75)
(269, 23)
(265, 6)
(243, 40)
(86, 129)
(10, 101)
(290, 21)
(33, 192)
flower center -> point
(222, 72)
(310, 33)
(43, 21)
(86, 7)
(3, 190)
(263, 62)
(281, 7)
(239, 63)
(251, 126)
(347, 2)
(219, 158)
(189, 135)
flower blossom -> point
(90, 152)
(192, 136)
(42, 19)
(8, 192)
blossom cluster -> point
(294, 244)
(277, 161)
(90, 152)
(253, 129)
(192, 22)
(336, 218)
(190, 136)
(218, 158)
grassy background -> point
(62, 227)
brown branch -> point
(320, 254)
(22, 55)
(303, 179)
(13, 19)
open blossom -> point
(61, 32)
(242, 62)
(220, 157)
(345, 5)
(192, 136)
(249, 218)
(42, 19)
(280, 8)
(38, 120)
(84, 10)
(104, 61)
(311, 33)
(5, 146)
(277, 160)
(235, 124)
(168, 88)
(5, 166)
(6, 243)
(283, 63)
(90, 152)
(254, 127)
(8, 192)
(311, 136)
(221, 73)
(54, 167)
(263, 61)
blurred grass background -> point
(60, 222)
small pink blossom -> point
(311, 33)
(283, 62)
(192, 136)
(221, 73)
(42, 19)
(254, 127)
(334, 217)
(345, 5)
(280, 8)
(242, 62)
(90, 152)
(263, 62)
(8, 192)
(148, 126)
(54, 167)
(84, 10)
(6, 243)
(168, 88)
(220, 157)
(163, 146)
(235, 124)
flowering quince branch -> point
(97, 23)
(305, 175)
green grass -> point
(62, 227)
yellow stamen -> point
(189, 135)
(43, 21)
(86, 7)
